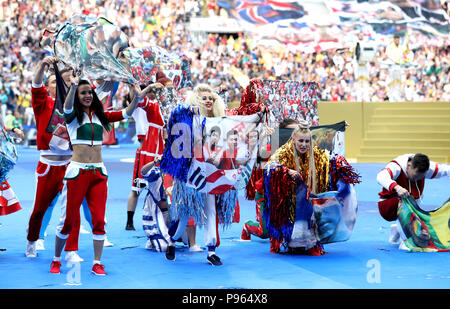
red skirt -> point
(8, 200)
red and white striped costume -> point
(49, 174)
(149, 129)
(394, 173)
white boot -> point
(31, 250)
(83, 230)
(394, 239)
(73, 257)
(107, 243)
(40, 244)
(402, 246)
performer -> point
(363, 53)
(55, 153)
(402, 177)
(206, 102)
(293, 172)
(9, 203)
(255, 189)
(397, 54)
(86, 176)
(149, 122)
(156, 218)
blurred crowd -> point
(213, 56)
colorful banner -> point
(144, 63)
(312, 26)
(335, 213)
(287, 99)
(218, 153)
(209, 156)
(326, 217)
(330, 137)
(424, 231)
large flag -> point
(335, 213)
(312, 26)
(285, 98)
(210, 156)
(426, 231)
(326, 217)
(264, 11)
(329, 136)
(144, 62)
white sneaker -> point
(107, 243)
(149, 245)
(31, 250)
(394, 239)
(40, 244)
(402, 246)
(83, 230)
(72, 256)
(195, 248)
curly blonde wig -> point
(195, 99)
(303, 127)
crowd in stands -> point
(164, 22)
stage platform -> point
(366, 261)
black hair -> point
(47, 79)
(215, 129)
(96, 106)
(420, 162)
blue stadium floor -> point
(247, 265)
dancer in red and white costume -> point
(402, 177)
(55, 153)
(86, 176)
(149, 130)
(9, 203)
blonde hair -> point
(195, 99)
(303, 127)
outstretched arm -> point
(138, 95)
(74, 80)
(41, 68)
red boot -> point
(245, 235)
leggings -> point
(210, 238)
(85, 181)
(49, 183)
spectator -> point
(212, 55)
